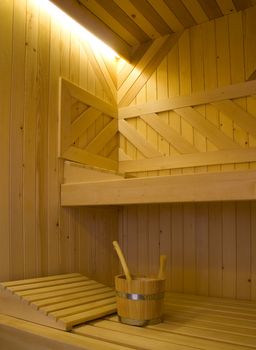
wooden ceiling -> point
(127, 24)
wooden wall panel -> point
(36, 50)
(209, 246)
(208, 56)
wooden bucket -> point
(140, 301)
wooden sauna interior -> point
(155, 148)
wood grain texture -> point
(236, 185)
(36, 51)
(207, 253)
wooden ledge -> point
(238, 185)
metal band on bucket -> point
(134, 296)
(139, 323)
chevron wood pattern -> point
(143, 70)
(79, 110)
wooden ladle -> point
(122, 261)
(162, 267)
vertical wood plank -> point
(210, 65)
(243, 250)
(153, 237)
(202, 251)
(42, 140)
(6, 8)
(143, 240)
(177, 248)
(215, 249)
(229, 249)
(173, 72)
(197, 54)
(222, 51)
(54, 164)
(236, 48)
(132, 226)
(250, 51)
(165, 239)
(16, 147)
(30, 149)
(253, 249)
(184, 62)
(189, 249)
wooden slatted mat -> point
(60, 301)
(191, 322)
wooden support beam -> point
(137, 140)
(168, 133)
(163, 189)
(252, 76)
(188, 160)
(89, 21)
(206, 128)
(103, 137)
(82, 156)
(101, 72)
(75, 172)
(83, 122)
(140, 77)
(89, 99)
(130, 72)
(245, 120)
(227, 92)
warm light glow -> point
(63, 19)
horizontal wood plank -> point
(227, 92)
(189, 160)
(239, 185)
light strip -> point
(65, 20)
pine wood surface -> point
(37, 50)
(236, 185)
(61, 301)
(190, 322)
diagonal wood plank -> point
(245, 120)
(84, 157)
(101, 71)
(252, 76)
(86, 97)
(130, 73)
(103, 137)
(137, 140)
(226, 92)
(83, 122)
(148, 70)
(168, 133)
(206, 128)
(142, 22)
(168, 16)
(97, 8)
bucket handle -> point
(122, 261)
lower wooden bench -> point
(191, 322)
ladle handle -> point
(122, 261)
(162, 267)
